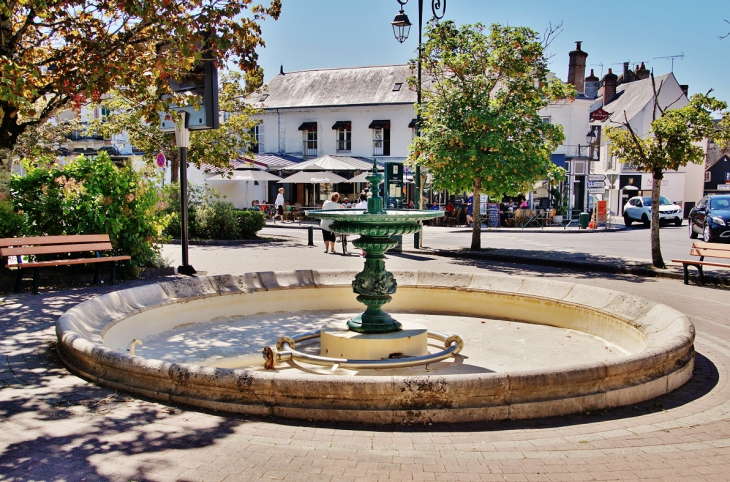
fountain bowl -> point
(93, 337)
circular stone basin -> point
(533, 347)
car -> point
(638, 209)
(710, 218)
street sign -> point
(596, 190)
(596, 177)
(160, 159)
(596, 184)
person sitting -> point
(524, 205)
(449, 209)
(434, 206)
(411, 205)
(256, 206)
(363, 204)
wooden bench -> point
(705, 250)
(57, 245)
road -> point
(632, 243)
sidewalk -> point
(55, 426)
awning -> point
(412, 124)
(308, 126)
(379, 124)
(319, 177)
(342, 125)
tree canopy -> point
(481, 128)
(215, 147)
(672, 142)
(53, 54)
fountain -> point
(536, 347)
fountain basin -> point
(658, 341)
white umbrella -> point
(244, 176)
(252, 175)
(333, 163)
(361, 177)
(317, 177)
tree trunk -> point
(656, 251)
(476, 232)
(174, 158)
(5, 167)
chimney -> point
(577, 67)
(627, 74)
(591, 85)
(281, 70)
(609, 86)
(642, 73)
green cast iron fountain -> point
(374, 285)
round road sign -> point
(161, 161)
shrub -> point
(208, 216)
(12, 223)
(92, 196)
(249, 223)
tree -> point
(215, 147)
(481, 129)
(672, 142)
(53, 54)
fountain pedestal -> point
(337, 340)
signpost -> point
(596, 190)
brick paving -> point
(55, 426)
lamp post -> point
(401, 29)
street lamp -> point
(401, 29)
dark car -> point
(711, 218)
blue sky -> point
(313, 34)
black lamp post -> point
(401, 29)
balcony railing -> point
(381, 148)
(344, 145)
(310, 149)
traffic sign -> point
(596, 177)
(160, 159)
(596, 184)
(596, 190)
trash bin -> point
(583, 220)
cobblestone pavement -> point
(55, 426)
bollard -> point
(417, 240)
(310, 236)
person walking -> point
(279, 203)
(329, 236)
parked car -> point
(639, 209)
(711, 218)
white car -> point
(639, 209)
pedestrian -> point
(363, 203)
(279, 203)
(329, 236)
(470, 210)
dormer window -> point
(397, 86)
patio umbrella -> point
(316, 177)
(333, 163)
(361, 177)
(245, 176)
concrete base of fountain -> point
(337, 341)
(653, 343)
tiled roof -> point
(633, 97)
(346, 86)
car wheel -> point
(678, 222)
(692, 234)
(627, 220)
(707, 234)
(645, 220)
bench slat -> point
(64, 262)
(55, 249)
(44, 240)
(695, 262)
(717, 246)
(711, 253)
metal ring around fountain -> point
(454, 344)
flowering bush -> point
(93, 196)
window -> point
(397, 86)
(259, 145)
(727, 176)
(412, 125)
(309, 133)
(344, 135)
(708, 176)
(381, 137)
(545, 120)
